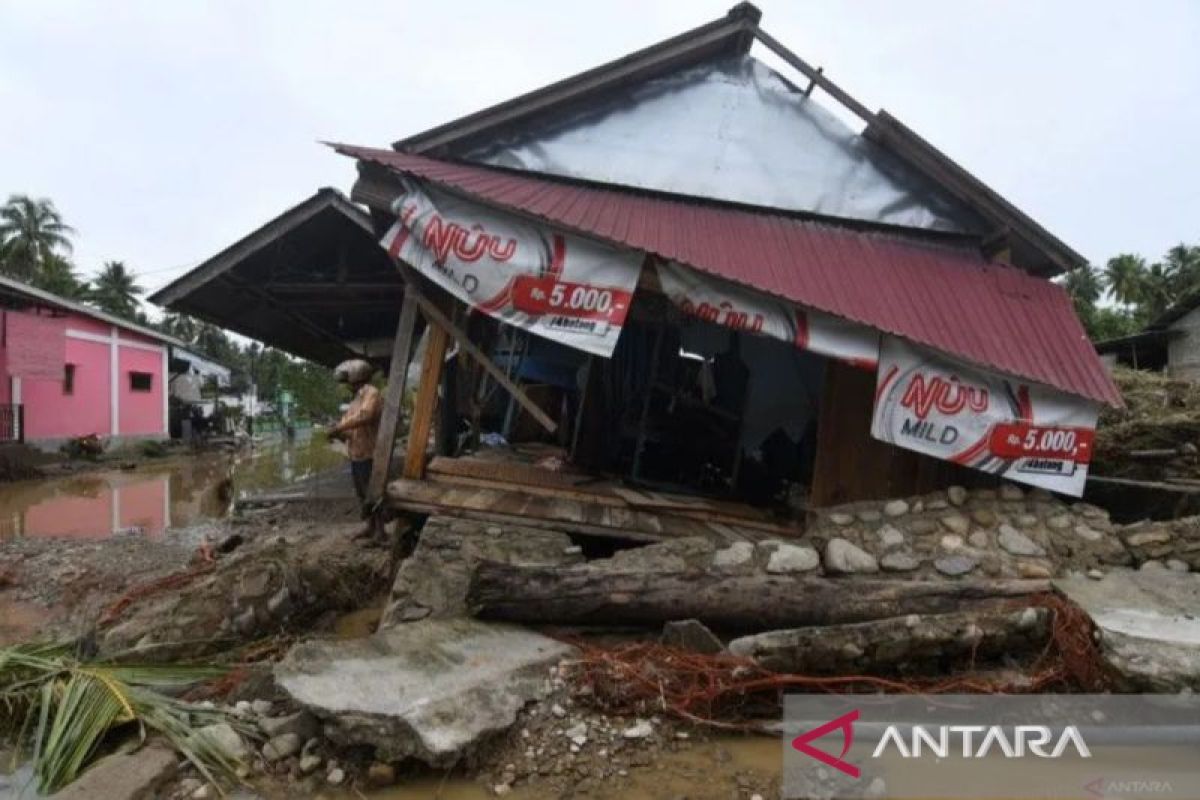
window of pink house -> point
(141, 381)
(68, 379)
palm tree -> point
(1124, 276)
(116, 291)
(181, 326)
(1084, 285)
(1183, 264)
(58, 275)
(31, 231)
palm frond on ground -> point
(60, 709)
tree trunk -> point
(590, 595)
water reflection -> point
(155, 498)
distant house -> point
(69, 370)
(1171, 343)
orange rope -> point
(647, 677)
(172, 581)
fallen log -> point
(592, 594)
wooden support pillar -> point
(393, 400)
(426, 402)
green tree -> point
(116, 290)
(31, 233)
(57, 275)
(1124, 276)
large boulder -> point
(431, 689)
(433, 581)
(1150, 634)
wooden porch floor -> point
(562, 499)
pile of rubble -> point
(1156, 436)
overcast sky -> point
(164, 131)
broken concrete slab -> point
(691, 634)
(431, 689)
(1149, 622)
(433, 581)
(125, 776)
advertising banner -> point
(573, 290)
(729, 305)
(1023, 431)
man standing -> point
(359, 426)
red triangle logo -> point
(845, 724)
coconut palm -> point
(1084, 285)
(116, 290)
(1182, 262)
(181, 326)
(58, 275)
(1124, 276)
(31, 231)
(61, 708)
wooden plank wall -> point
(850, 464)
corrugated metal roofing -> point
(943, 297)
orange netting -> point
(647, 677)
(175, 580)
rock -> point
(895, 508)
(203, 792)
(789, 558)
(558, 711)
(1026, 520)
(922, 526)
(301, 723)
(980, 539)
(955, 565)
(735, 555)
(869, 515)
(956, 523)
(380, 775)
(1095, 574)
(1033, 570)
(1087, 533)
(185, 787)
(1144, 538)
(336, 776)
(430, 690)
(984, 517)
(841, 518)
(641, 729)
(223, 735)
(1177, 565)
(1017, 543)
(844, 558)
(310, 763)
(691, 634)
(1010, 491)
(243, 708)
(890, 536)
(578, 734)
(433, 581)
(957, 495)
(282, 746)
(261, 707)
(1149, 630)
(1058, 522)
(124, 776)
(898, 561)
(1152, 566)
(952, 541)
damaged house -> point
(677, 294)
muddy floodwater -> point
(180, 492)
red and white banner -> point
(727, 304)
(573, 290)
(1025, 432)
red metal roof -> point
(941, 296)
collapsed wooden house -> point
(678, 292)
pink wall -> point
(52, 414)
(141, 412)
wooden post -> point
(393, 400)
(423, 408)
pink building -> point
(68, 370)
